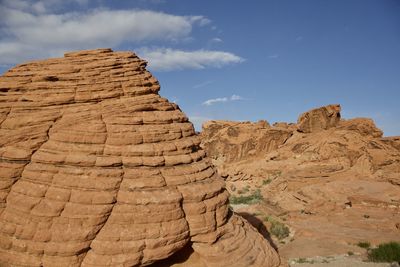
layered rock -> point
(325, 144)
(228, 142)
(96, 169)
(319, 119)
(334, 182)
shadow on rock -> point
(259, 225)
(184, 257)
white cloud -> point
(28, 31)
(199, 85)
(274, 56)
(216, 40)
(212, 101)
(37, 29)
(166, 59)
(41, 6)
(236, 98)
(201, 20)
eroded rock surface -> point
(229, 142)
(334, 182)
(319, 119)
(96, 169)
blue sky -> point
(233, 60)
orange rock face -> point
(229, 142)
(319, 119)
(334, 182)
(96, 169)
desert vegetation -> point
(278, 229)
(254, 197)
(386, 252)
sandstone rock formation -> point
(333, 181)
(227, 142)
(319, 119)
(96, 169)
(325, 143)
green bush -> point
(364, 245)
(244, 190)
(387, 252)
(301, 260)
(266, 181)
(279, 230)
(253, 198)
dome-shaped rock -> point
(96, 169)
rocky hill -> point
(333, 182)
(96, 169)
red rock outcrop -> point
(319, 119)
(325, 182)
(96, 169)
(325, 144)
(227, 142)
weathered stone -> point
(96, 169)
(319, 119)
(336, 183)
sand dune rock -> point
(96, 169)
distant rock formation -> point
(319, 119)
(324, 177)
(320, 138)
(240, 140)
(96, 169)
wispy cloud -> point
(216, 40)
(41, 6)
(201, 20)
(274, 56)
(196, 86)
(166, 59)
(236, 98)
(299, 38)
(31, 29)
(213, 101)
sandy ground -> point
(336, 261)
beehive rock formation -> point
(96, 169)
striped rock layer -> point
(96, 169)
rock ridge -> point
(332, 181)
